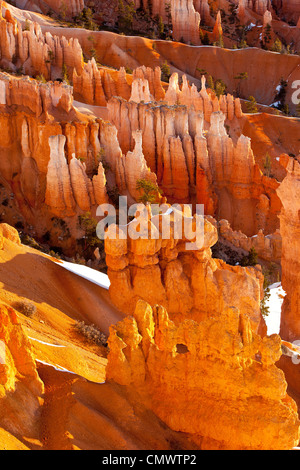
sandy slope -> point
(61, 297)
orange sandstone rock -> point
(183, 278)
(215, 380)
(288, 192)
(20, 386)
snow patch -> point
(47, 344)
(274, 303)
(92, 275)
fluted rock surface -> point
(215, 380)
(136, 167)
(203, 101)
(59, 195)
(209, 168)
(153, 76)
(186, 21)
(68, 185)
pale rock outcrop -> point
(88, 86)
(81, 184)
(267, 19)
(203, 101)
(35, 52)
(186, 21)
(59, 195)
(210, 169)
(140, 91)
(99, 185)
(154, 78)
(68, 185)
(215, 380)
(203, 8)
(136, 167)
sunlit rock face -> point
(176, 273)
(289, 192)
(205, 378)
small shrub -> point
(251, 259)
(91, 333)
(25, 307)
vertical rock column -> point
(289, 193)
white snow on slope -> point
(90, 274)
(274, 303)
(47, 344)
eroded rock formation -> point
(37, 97)
(170, 271)
(34, 52)
(210, 169)
(204, 101)
(268, 247)
(197, 377)
(68, 185)
(186, 21)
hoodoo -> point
(149, 226)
